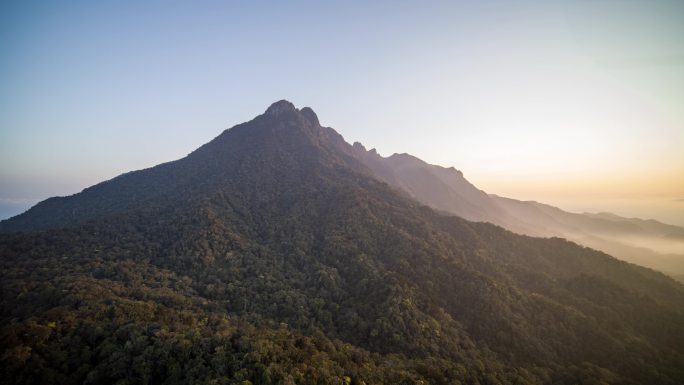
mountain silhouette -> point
(274, 254)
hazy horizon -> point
(576, 104)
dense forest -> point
(271, 256)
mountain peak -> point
(285, 106)
(310, 115)
(281, 106)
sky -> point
(573, 103)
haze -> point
(576, 104)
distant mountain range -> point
(645, 242)
(278, 253)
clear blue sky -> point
(533, 99)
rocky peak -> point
(310, 115)
(280, 107)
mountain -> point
(438, 187)
(273, 255)
(645, 242)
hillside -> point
(273, 255)
(645, 242)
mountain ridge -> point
(446, 189)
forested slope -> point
(271, 255)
